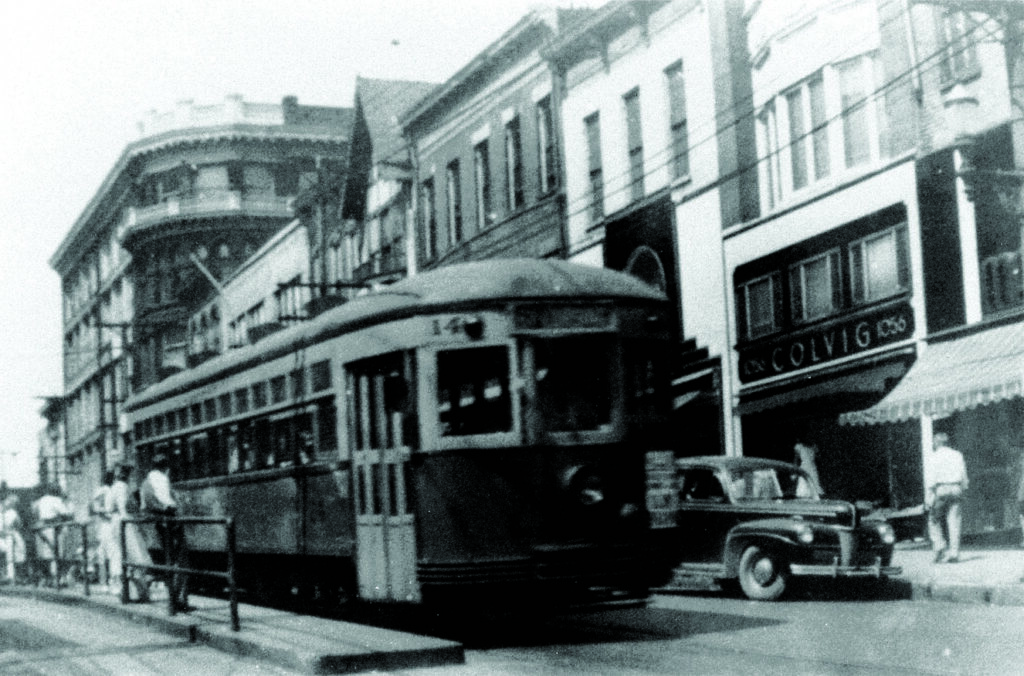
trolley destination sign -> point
(796, 351)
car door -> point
(705, 516)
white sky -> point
(76, 76)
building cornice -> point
(72, 246)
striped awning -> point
(955, 375)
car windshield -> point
(771, 483)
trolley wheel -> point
(763, 575)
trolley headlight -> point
(804, 533)
(887, 534)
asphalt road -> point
(715, 634)
(706, 633)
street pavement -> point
(990, 575)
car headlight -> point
(887, 534)
(805, 533)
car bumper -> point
(834, 569)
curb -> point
(996, 595)
(895, 589)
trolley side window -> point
(473, 394)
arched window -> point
(645, 264)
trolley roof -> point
(449, 288)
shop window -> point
(880, 265)
(815, 287)
(758, 304)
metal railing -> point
(61, 566)
(170, 566)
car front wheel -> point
(762, 574)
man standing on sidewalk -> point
(158, 500)
(945, 480)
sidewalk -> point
(984, 574)
(299, 642)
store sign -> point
(796, 351)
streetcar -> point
(491, 431)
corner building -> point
(862, 316)
(202, 189)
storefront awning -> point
(862, 381)
(982, 368)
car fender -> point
(776, 534)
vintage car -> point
(762, 522)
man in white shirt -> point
(156, 499)
(945, 480)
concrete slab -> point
(298, 642)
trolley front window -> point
(473, 391)
(574, 382)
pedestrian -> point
(120, 506)
(50, 509)
(945, 480)
(158, 500)
(12, 540)
(805, 453)
(106, 543)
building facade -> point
(647, 87)
(197, 194)
(376, 244)
(487, 152)
(867, 265)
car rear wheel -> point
(762, 574)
